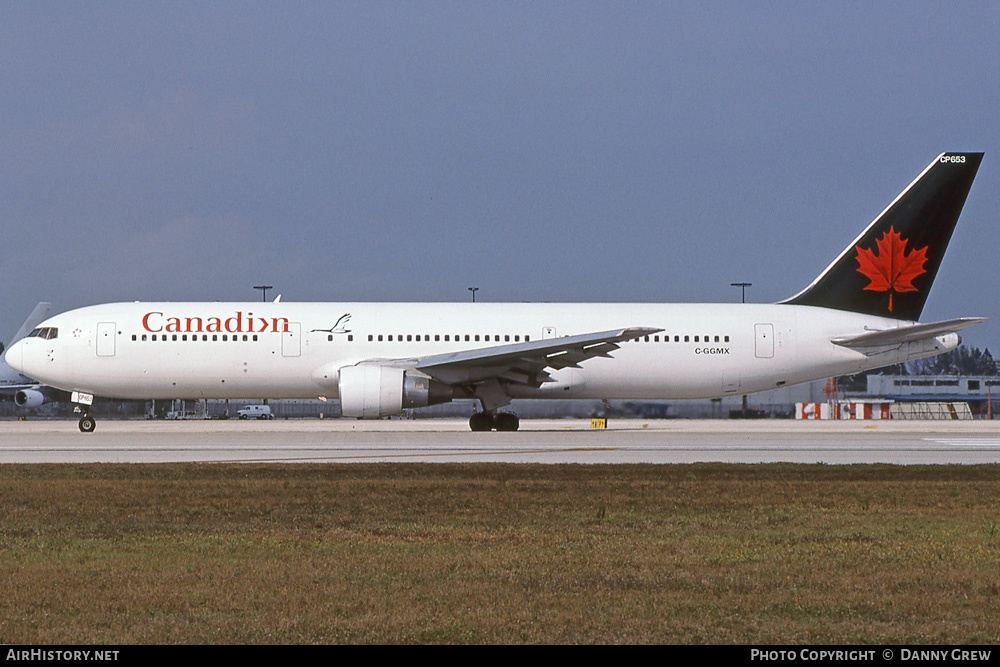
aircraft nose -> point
(14, 355)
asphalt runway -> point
(538, 441)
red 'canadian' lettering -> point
(240, 322)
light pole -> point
(744, 287)
(263, 289)
(473, 290)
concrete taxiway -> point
(538, 441)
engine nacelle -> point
(29, 398)
(370, 391)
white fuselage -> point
(277, 350)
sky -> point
(540, 151)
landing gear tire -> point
(501, 421)
(481, 421)
(506, 421)
(87, 424)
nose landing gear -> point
(87, 422)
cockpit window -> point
(48, 333)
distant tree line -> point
(960, 361)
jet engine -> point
(29, 398)
(370, 391)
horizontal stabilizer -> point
(906, 334)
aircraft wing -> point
(906, 334)
(11, 389)
(525, 363)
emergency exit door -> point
(291, 340)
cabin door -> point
(763, 341)
(106, 339)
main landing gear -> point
(488, 421)
(87, 421)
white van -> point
(255, 412)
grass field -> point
(713, 553)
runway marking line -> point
(966, 442)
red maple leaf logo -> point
(892, 269)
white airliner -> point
(382, 358)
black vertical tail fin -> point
(889, 268)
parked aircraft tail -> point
(37, 315)
(889, 268)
